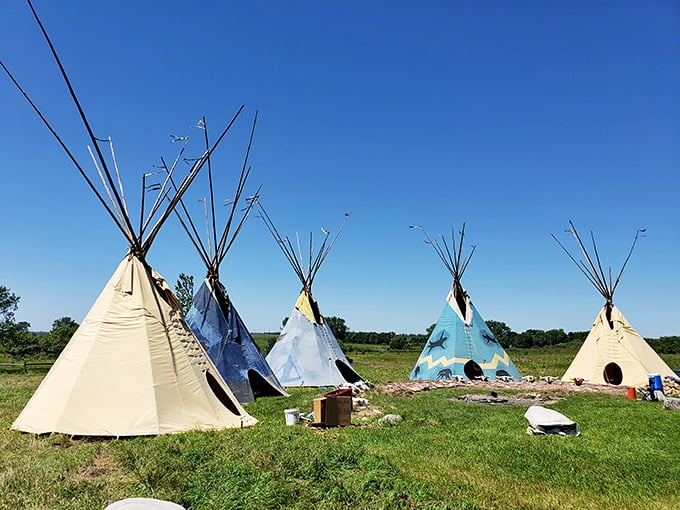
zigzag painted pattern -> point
(445, 362)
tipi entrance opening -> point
(347, 373)
(260, 386)
(473, 370)
(612, 374)
(459, 294)
(221, 395)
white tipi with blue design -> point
(306, 352)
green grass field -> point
(444, 454)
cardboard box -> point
(319, 411)
(331, 418)
(333, 411)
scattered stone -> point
(408, 389)
(359, 402)
(482, 399)
(671, 404)
(390, 419)
(527, 399)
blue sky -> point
(513, 117)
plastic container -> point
(655, 383)
(292, 416)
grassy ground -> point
(444, 454)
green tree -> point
(184, 290)
(9, 303)
(665, 344)
(502, 332)
(22, 343)
(400, 342)
(555, 336)
(338, 327)
(61, 333)
(14, 336)
(430, 329)
(577, 336)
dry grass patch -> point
(103, 468)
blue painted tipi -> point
(218, 326)
(213, 317)
(461, 344)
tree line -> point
(531, 338)
(503, 333)
(16, 341)
(539, 338)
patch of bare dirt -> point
(103, 466)
(526, 399)
(409, 388)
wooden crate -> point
(344, 410)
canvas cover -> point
(606, 348)
(461, 344)
(219, 328)
(132, 368)
(548, 421)
(307, 353)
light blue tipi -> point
(307, 353)
(461, 344)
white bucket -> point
(292, 416)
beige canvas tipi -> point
(133, 367)
(613, 352)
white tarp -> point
(547, 421)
